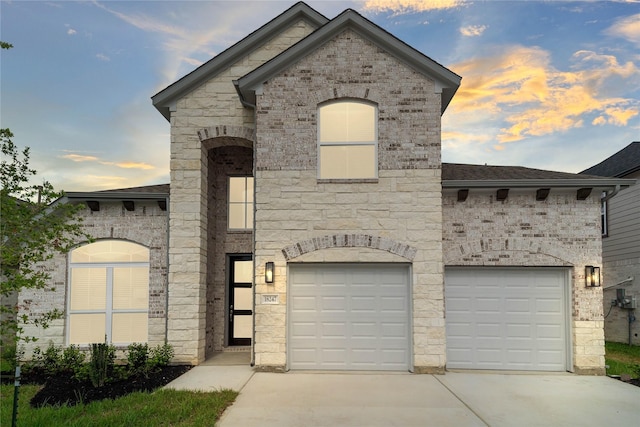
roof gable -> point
(164, 99)
(446, 80)
(621, 164)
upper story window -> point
(108, 293)
(347, 140)
(240, 203)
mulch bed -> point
(65, 390)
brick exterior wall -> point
(147, 226)
(209, 116)
(560, 231)
(401, 209)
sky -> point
(545, 84)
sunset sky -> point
(550, 85)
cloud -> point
(103, 57)
(473, 30)
(130, 165)
(185, 43)
(626, 28)
(409, 6)
(71, 31)
(521, 88)
(80, 158)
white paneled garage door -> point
(511, 319)
(348, 317)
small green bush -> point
(160, 356)
(138, 358)
(72, 359)
(101, 364)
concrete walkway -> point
(402, 399)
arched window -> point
(108, 293)
(347, 140)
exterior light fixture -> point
(592, 276)
(268, 272)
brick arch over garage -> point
(505, 252)
(349, 241)
(226, 135)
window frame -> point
(604, 214)
(247, 205)
(373, 143)
(108, 310)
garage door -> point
(349, 317)
(512, 319)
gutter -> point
(538, 183)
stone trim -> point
(227, 132)
(349, 241)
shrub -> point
(49, 360)
(138, 358)
(160, 356)
(101, 365)
(72, 359)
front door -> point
(240, 299)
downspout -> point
(166, 293)
(247, 104)
(610, 195)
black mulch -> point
(65, 390)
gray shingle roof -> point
(456, 171)
(621, 164)
(160, 188)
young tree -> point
(32, 230)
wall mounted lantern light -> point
(592, 276)
(268, 272)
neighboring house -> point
(621, 246)
(313, 223)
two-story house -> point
(311, 221)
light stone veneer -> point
(212, 107)
(307, 208)
(147, 226)
(560, 231)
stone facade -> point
(398, 212)
(209, 116)
(520, 231)
(147, 226)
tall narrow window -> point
(604, 217)
(241, 203)
(108, 293)
(347, 140)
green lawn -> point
(622, 359)
(162, 408)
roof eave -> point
(538, 183)
(164, 99)
(113, 195)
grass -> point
(622, 359)
(162, 408)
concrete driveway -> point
(454, 399)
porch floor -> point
(228, 358)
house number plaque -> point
(270, 299)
